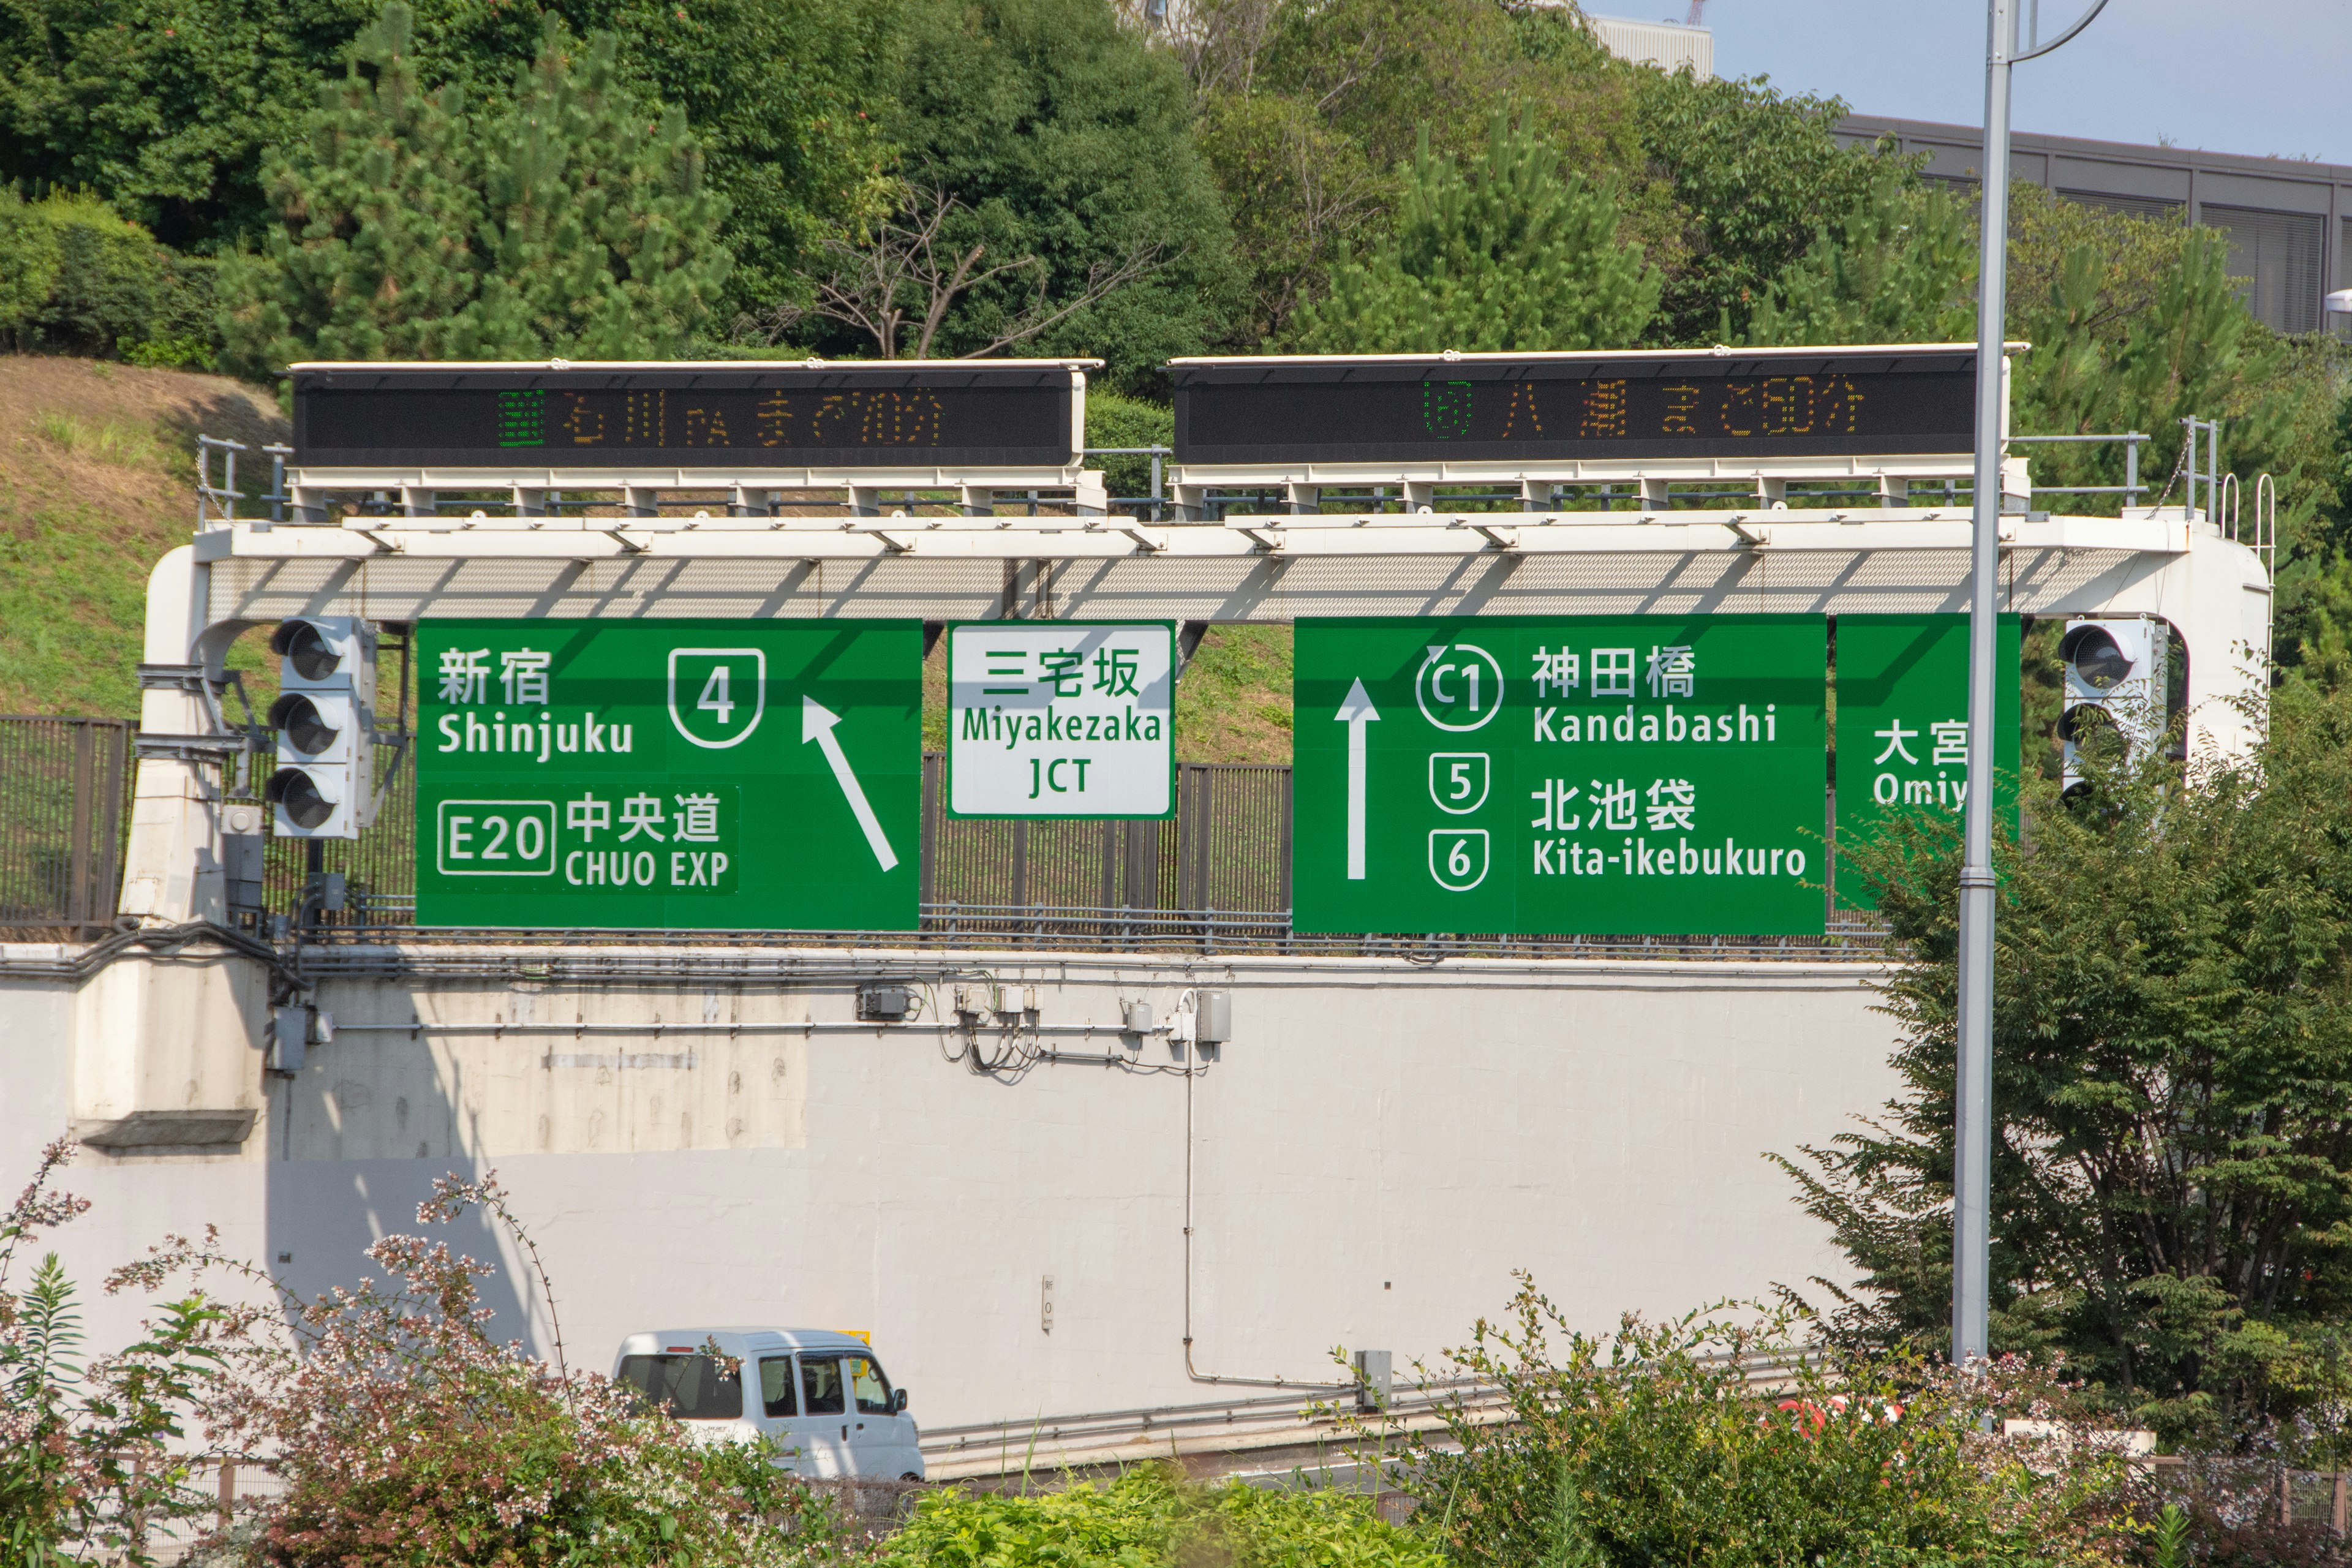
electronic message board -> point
(671, 774)
(1561, 774)
(1903, 727)
(1529, 408)
(995, 414)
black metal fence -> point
(1216, 877)
(1225, 852)
(65, 791)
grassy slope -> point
(97, 482)
(97, 477)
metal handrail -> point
(2130, 490)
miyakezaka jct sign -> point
(736, 775)
(1655, 774)
(1062, 718)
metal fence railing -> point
(64, 788)
(1215, 877)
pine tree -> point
(373, 258)
(1516, 255)
(600, 237)
(573, 222)
(1899, 268)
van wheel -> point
(911, 1475)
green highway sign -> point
(670, 773)
(1902, 723)
(1564, 774)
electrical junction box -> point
(1213, 1018)
(1373, 1379)
(1137, 1018)
(884, 1003)
(242, 850)
(289, 1039)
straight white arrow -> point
(817, 724)
(1356, 713)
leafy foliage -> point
(1116, 421)
(1900, 269)
(1153, 1515)
(574, 221)
(1311, 113)
(404, 1435)
(1757, 175)
(2171, 1201)
(1651, 1446)
(75, 275)
(84, 1460)
(1062, 137)
(1519, 254)
(169, 109)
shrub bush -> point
(1152, 1516)
(406, 1437)
(75, 276)
(1652, 1445)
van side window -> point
(869, 1386)
(821, 1385)
(776, 1385)
(693, 1386)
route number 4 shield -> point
(716, 695)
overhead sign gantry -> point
(1750, 554)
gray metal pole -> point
(1972, 1102)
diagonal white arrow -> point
(1356, 713)
(817, 724)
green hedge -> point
(77, 277)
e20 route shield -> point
(1903, 727)
(667, 775)
(1561, 774)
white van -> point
(821, 1394)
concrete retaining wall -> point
(1375, 1151)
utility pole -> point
(1972, 1098)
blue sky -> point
(2262, 77)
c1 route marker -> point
(1356, 713)
(817, 724)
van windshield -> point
(693, 1386)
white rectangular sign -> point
(1062, 718)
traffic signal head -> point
(2115, 694)
(325, 721)
(326, 653)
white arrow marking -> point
(1356, 713)
(817, 724)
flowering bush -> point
(83, 1457)
(1654, 1445)
(406, 1437)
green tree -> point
(2172, 1160)
(601, 237)
(1063, 144)
(781, 95)
(1311, 113)
(170, 109)
(375, 258)
(1899, 268)
(572, 221)
(1518, 254)
(1758, 174)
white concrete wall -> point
(1377, 1149)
